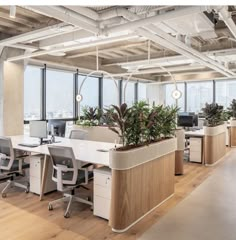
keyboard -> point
(28, 145)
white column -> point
(11, 96)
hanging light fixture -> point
(79, 96)
(12, 13)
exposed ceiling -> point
(147, 42)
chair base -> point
(70, 198)
(10, 184)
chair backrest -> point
(79, 134)
(65, 166)
(7, 154)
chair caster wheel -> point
(50, 208)
(27, 190)
(4, 195)
(67, 215)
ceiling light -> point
(12, 12)
(176, 94)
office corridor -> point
(208, 213)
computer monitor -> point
(187, 119)
(38, 129)
(58, 126)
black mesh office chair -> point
(78, 134)
(68, 174)
(11, 166)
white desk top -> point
(197, 133)
(84, 150)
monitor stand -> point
(41, 141)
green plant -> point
(226, 114)
(232, 109)
(107, 117)
(137, 123)
(213, 114)
(140, 124)
(91, 116)
(119, 117)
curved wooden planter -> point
(214, 144)
(232, 133)
(98, 133)
(142, 179)
(179, 153)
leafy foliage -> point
(120, 118)
(232, 109)
(91, 116)
(107, 117)
(140, 124)
(213, 114)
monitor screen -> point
(185, 120)
(38, 129)
(58, 127)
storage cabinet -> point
(35, 175)
(195, 153)
(102, 192)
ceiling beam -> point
(75, 46)
(65, 38)
(106, 50)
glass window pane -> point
(225, 92)
(89, 91)
(129, 93)
(59, 94)
(110, 92)
(198, 94)
(169, 100)
(32, 92)
(142, 92)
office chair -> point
(11, 166)
(68, 174)
(78, 134)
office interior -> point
(62, 177)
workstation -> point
(111, 115)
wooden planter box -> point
(179, 153)
(232, 132)
(98, 133)
(214, 144)
(142, 179)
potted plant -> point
(91, 122)
(214, 133)
(232, 112)
(147, 154)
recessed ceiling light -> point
(57, 54)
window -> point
(110, 92)
(199, 93)
(142, 92)
(89, 91)
(129, 93)
(225, 92)
(169, 100)
(32, 93)
(59, 94)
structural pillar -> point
(11, 94)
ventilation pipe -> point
(225, 15)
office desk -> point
(86, 151)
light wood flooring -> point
(24, 217)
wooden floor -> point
(24, 217)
